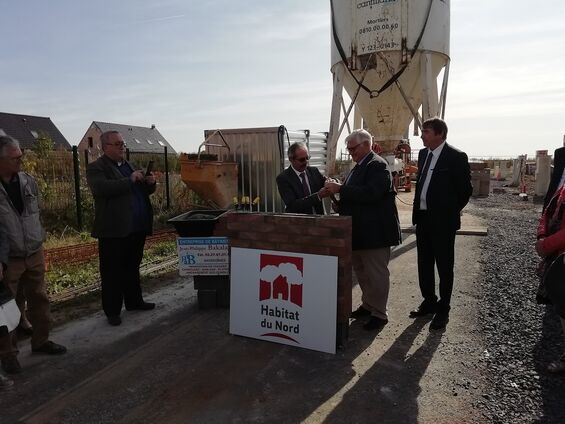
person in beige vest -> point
(19, 214)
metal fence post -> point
(76, 164)
(167, 188)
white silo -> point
(388, 54)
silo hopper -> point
(213, 180)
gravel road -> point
(521, 336)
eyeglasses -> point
(118, 144)
(352, 149)
(302, 160)
(15, 158)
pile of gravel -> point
(521, 336)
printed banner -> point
(203, 256)
(284, 297)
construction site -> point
(227, 342)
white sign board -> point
(203, 255)
(284, 297)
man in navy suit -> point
(301, 186)
(443, 189)
(368, 196)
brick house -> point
(138, 139)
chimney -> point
(152, 126)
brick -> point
(342, 222)
(250, 235)
(240, 243)
(317, 231)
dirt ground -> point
(178, 364)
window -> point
(90, 143)
(161, 143)
(34, 133)
(149, 141)
(137, 141)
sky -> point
(187, 66)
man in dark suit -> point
(301, 186)
(123, 218)
(556, 177)
(368, 196)
(443, 189)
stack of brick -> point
(310, 234)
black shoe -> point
(424, 309)
(50, 348)
(440, 321)
(143, 306)
(24, 331)
(114, 320)
(360, 313)
(11, 365)
(375, 323)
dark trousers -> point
(436, 246)
(119, 272)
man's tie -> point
(424, 173)
(304, 184)
(355, 168)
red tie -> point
(304, 184)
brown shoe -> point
(50, 348)
(11, 365)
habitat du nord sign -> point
(284, 297)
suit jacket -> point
(113, 197)
(292, 193)
(4, 247)
(369, 198)
(449, 189)
(558, 165)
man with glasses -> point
(19, 216)
(301, 186)
(368, 196)
(123, 218)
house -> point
(137, 139)
(28, 129)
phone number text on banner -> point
(203, 256)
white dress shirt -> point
(426, 183)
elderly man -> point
(19, 208)
(123, 218)
(301, 186)
(368, 196)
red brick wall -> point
(316, 235)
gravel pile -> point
(521, 336)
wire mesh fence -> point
(55, 175)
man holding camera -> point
(123, 218)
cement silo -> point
(387, 55)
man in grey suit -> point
(301, 186)
(443, 189)
(368, 196)
(123, 218)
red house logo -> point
(281, 278)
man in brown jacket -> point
(123, 218)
